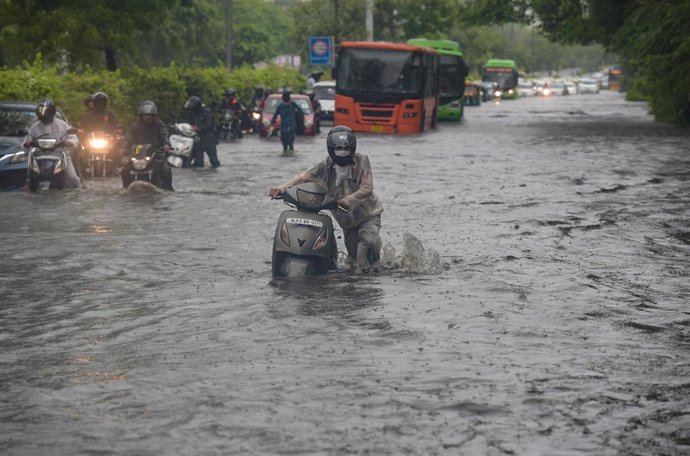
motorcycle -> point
(145, 164)
(183, 144)
(231, 123)
(304, 242)
(100, 158)
(47, 162)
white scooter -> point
(183, 143)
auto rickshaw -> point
(473, 94)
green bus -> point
(503, 72)
(452, 73)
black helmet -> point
(286, 95)
(45, 110)
(88, 99)
(101, 97)
(230, 93)
(193, 103)
(148, 108)
(341, 137)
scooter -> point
(183, 145)
(304, 242)
(144, 164)
(47, 162)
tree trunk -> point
(110, 61)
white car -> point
(324, 91)
(526, 88)
(588, 86)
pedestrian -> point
(290, 117)
(348, 176)
(202, 120)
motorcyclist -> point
(201, 119)
(148, 129)
(348, 175)
(230, 102)
(48, 124)
(290, 117)
(100, 118)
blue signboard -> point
(320, 50)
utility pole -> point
(370, 20)
(336, 9)
(228, 25)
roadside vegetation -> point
(81, 37)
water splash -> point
(415, 258)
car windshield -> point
(272, 105)
(379, 70)
(324, 92)
(14, 122)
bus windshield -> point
(379, 70)
(505, 77)
(452, 76)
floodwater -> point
(556, 323)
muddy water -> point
(558, 323)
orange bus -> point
(386, 87)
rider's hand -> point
(275, 191)
(26, 145)
(344, 203)
(167, 148)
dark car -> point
(16, 117)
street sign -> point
(320, 50)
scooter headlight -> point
(256, 116)
(284, 236)
(320, 241)
(497, 93)
(47, 143)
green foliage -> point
(168, 86)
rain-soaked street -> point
(557, 322)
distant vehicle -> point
(558, 88)
(16, 117)
(272, 102)
(473, 94)
(324, 91)
(503, 72)
(570, 88)
(490, 90)
(615, 79)
(526, 88)
(452, 74)
(587, 85)
(386, 87)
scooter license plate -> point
(301, 221)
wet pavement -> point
(556, 323)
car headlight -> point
(266, 123)
(19, 157)
(308, 124)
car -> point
(557, 88)
(272, 102)
(587, 85)
(324, 91)
(16, 117)
(526, 88)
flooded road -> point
(558, 321)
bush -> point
(168, 87)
